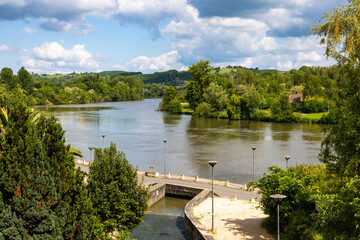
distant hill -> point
(171, 77)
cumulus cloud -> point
(163, 62)
(150, 13)
(216, 39)
(5, 48)
(53, 57)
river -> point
(138, 130)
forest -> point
(267, 95)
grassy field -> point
(313, 117)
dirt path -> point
(237, 219)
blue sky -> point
(48, 36)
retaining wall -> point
(192, 225)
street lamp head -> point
(278, 198)
(287, 157)
(253, 148)
(91, 148)
(212, 163)
(103, 135)
(164, 140)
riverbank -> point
(233, 219)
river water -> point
(163, 221)
(138, 130)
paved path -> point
(219, 186)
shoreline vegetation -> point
(307, 95)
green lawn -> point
(314, 117)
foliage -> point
(204, 110)
(216, 96)
(299, 184)
(119, 200)
(281, 110)
(42, 195)
(200, 80)
(340, 33)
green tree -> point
(300, 184)
(42, 196)
(26, 80)
(281, 109)
(8, 78)
(340, 33)
(120, 201)
(216, 96)
(200, 80)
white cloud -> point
(215, 39)
(52, 56)
(28, 30)
(5, 48)
(310, 56)
(268, 43)
(163, 62)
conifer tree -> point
(42, 196)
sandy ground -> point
(233, 219)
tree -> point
(8, 78)
(42, 196)
(119, 200)
(281, 109)
(216, 96)
(26, 80)
(200, 80)
(340, 33)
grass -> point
(313, 117)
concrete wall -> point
(192, 225)
(182, 191)
(157, 192)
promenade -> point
(236, 212)
(220, 188)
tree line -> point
(87, 88)
(238, 93)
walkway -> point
(234, 219)
(219, 186)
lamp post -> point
(91, 148)
(253, 148)
(287, 159)
(278, 199)
(103, 136)
(212, 164)
(164, 140)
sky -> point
(52, 36)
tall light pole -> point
(212, 164)
(103, 136)
(287, 159)
(278, 199)
(164, 140)
(91, 148)
(253, 148)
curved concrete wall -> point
(192, 225)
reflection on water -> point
(164, 220)
(138, 130)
